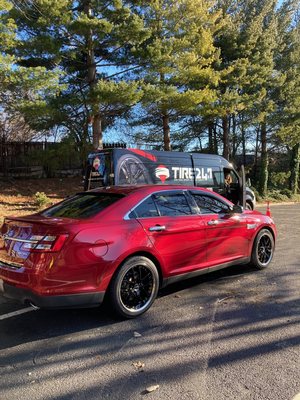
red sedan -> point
(124, 243)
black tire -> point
(263, 249)
(134, 287)
(249, 205)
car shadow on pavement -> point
(44, 324)
(210, 326)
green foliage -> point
(20, 87)
(41, 199)
(279, 195)
(276, 195)
(62, 155)
(288, 117)
(72, 59)
(287, 192)
(220, 76)
(177, 63)
(279, 180)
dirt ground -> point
(17, 195)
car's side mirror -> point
(236, 209)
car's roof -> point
(127, 189)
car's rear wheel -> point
(134, 287)
(263, 249)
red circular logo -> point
(162, 173)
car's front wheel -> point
(263, 249)
(134, 287)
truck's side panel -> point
(120, 166)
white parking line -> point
(13, 314)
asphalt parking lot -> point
(234, 334)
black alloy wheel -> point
(263, 249)
(134, 287)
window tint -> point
(218, 177)
(82, 205)
(209, 205)
(235, 178)
(208, 176)
(172, 204)
(146, 209)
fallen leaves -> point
(139, 366)
(152, 388)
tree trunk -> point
(92, 80)
(97, 132)
(165, 120)
(263, 180)
(295, 163)
(82, 143)
(255, 172)
(243, 144)
(200, 144)
(225, 137)
(210, 136)
(166, 130)
(216, 151)
(234, 137)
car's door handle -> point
(213, 222)
(157, 228)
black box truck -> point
(118, 166)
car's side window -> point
(146, 209)
(172, 204)
(209, 204)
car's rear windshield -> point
(82, 205)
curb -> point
(288, 203)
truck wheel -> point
(134, 287)
(249, 205)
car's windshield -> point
(82, 205)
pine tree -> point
(177, 60)
(7, 40)
(247, 45)
(89, 42)
(288, 100)
(19, 86)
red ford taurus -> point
(124, 243)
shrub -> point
(41, 199)
(287, 192)
(276, 195)
(279, 180)
(296, 197)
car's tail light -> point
(48, 243)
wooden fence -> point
(26, 159)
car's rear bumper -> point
(26, 296)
